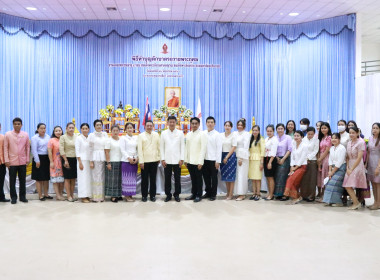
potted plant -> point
(119, 112)
(136, 112)
(181, 108)
(164, 109)
(127, 108)
(104, 115)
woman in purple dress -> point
(373, 165)
(355, 173)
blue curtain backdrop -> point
(52, 71)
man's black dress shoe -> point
(144, 199)
(153, 199)
(14, 201)
(205, 196)
(177, 198)
(23, 200)
(197, 199)
(212, 198)
(168, 198)
(4, 200)
(191, 197)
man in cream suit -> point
(196, 143)
(212, 159)
(172, 157)
(149, 157)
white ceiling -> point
(257, 11)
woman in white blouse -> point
(242, 153)
(229, 161)
(337, 170)
(113, 166)
(298, 166)
(82, 151)
(309, 180)
(129, 161)
(270, 162)
(344, 136)
(97, 141)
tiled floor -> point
(209, 240)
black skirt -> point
(70, 173)
(42, 173)
(270, 172)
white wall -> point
(370, 51)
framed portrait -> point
(172, 97)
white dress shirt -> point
(214, 146)
(228, 142)
(271, 146)
(242, 148)
(82, 147)
(344, 138)
(128, 147)
(298, 156)
(114, 147)
(172, 146)
(312, 147)
(337, 156)
(196, 144)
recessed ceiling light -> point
(164, 9)
(124, 9)
(243, 12)
(281, 14)
(205, 10)
(31, 8)
(44, 9)
(318, 15)
(293, 14)
(4, 9)
(84, 9)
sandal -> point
(129, 199)
(114, 199)
(48, 197)
(253, 197)
(42, 198)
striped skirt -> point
(113, 180)
(281, 176)
(334, 187)
(228, 170)
(129, 178)
(97, 182)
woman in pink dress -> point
(56, 172)
(355, 173)
(373, 164)
(324, 137)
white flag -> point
(198, 114)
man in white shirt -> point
(172, 156)
(196, 143)
(149, 157)
(212, 159)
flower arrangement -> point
(164, 108)
(104, 114)
(119, 112)
(155, 112)
(187, 114)
(135, 111)
(182, 108)
(129, 115)
(159, 115)
(110, 108)
(172, 112)
(128, 107)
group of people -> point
(311, 164)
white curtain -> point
(367, 102)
